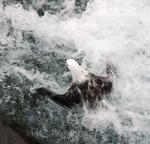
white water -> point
(112, 31)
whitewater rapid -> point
(110, 31)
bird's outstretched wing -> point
(63, 100)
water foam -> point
(114, 31)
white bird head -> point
(78, 73)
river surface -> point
(33, 53)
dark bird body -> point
(90, 90)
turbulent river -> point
(33, 53)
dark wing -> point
(64, 100)
(45, 92)
(104, 82)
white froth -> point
(109, 30)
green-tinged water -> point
(33, 53)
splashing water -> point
(110, 31)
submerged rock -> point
(80, 5)
(12, 135)
(51, 6)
